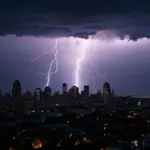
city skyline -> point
(65, 89)
(74, 74)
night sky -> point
(112, 35)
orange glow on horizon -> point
(37, 144)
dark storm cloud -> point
(75, 18)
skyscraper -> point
(47, 91)
(64, 88)
(106, 92)
(74, 91)
(28, 100)
(106, 88)
(47, 96)
(37, 94)
(86, 91)
(16, 93)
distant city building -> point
(47, 96)
(47, 91)
(28, 100)
(74, 91)
(37, 96)
(82, 93)
(86, 91)
(8, 100)
(106, 92)
(16, 92)
(56, 94)
(64, 88)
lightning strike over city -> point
(80, 46)
(72, 60)
(75, 74)
(53, 62)
(79, 61)
(73, 52)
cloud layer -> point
(75, 18)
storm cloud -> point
(75, 18)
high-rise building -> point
(106, 88)
(47, 91)
(64, 88)
(37, 96)
(74, 91)
(16, 93)
(47, 96)
(106, 92)
(28, 100)
(86, 91)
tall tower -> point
(47, 91)
(28, 100)
(47, 96)
(16, 92)
(86, 91)
(106, 92)
(64, 88)
(37, 93)
(37, 96)
(74, 91)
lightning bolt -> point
(79, 61)
(38, 73)
(40, 56)
(54, 67)
(53, 62)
